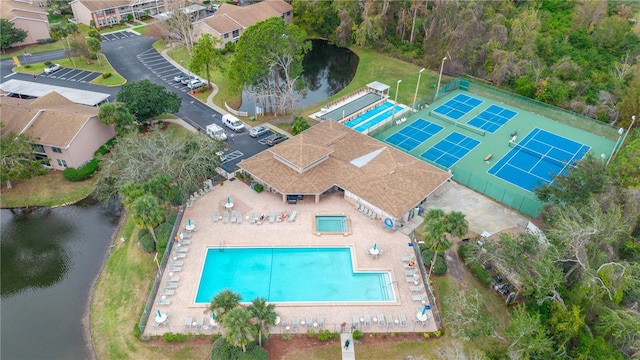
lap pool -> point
(291, 275)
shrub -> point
(466, 253)
(47, 63)
(163, 232)
(147, 243)
(45, 41)
(311, 333)
(206, 2)
(357, 335)
(27, 66)
(106, 148)
(222, 350)
(440, 267)
(258, 188)
(83, 173)
(92, 56)
(286, 336)
(136, 331)
(174, 338)
(106, 75)
(142, 232)
(324, 335)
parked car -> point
(51, 68)
(258, 131)
(187, 80)
(179, 78)
(277, 140)
(194, 84)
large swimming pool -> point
(290, 275)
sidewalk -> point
(350, 352)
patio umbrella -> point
(189, 222)
(159, 313)
(426, 307)
(228, 200)
(375, 246)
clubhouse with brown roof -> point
(331, 157)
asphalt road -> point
(123, 53)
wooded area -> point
(580, 55)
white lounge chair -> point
(390, 321)
(171, 285)
(292, 217)
(167, 292)
(272, 217)
(367, 320)
(309, 322)
(357, 206)
(179, 255)
(225, 217)
(173, 278)
(199, 323)
(233, 217)
(177, 263)
(185, 242)
(355, 321)
(417, 288)
(163, 302)
(182, 249)
(252, 218)
(403, 319)
(175, 268)
(216, 216)
(408, 258)
(187, 324)
(296, 324)
(410, 272)
(381, 320)
(420, 297)
(411, 279)
(239, 217)
(321, 320)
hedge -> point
(83, 173)
(222, 350)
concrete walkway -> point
(350, 352)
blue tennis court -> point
(450, 149)
(413, 135)
(492, 118)
(539, 157)
(458, 107)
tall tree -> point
(264, 316)
(240, 331)
(223, 303)
(145, 99)
(94, 45)
(180, 24)
(205, 56)
(137, 158)
(9, 34)
(435, 234)
(147, 212)
(17, 160)
(300, 124)
(268, 53)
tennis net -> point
(540, 155)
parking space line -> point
(165, 68)
(88, 75)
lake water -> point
(327, 70)
(50, 259)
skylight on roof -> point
(364, 159)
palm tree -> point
(147, 211)
(456, 224)
(223, 303)
(240, 331)
(264, 316)
(436, 234)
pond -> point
(327, 70)
(50, 260)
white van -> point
(233, 123)
(216, 132)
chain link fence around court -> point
(146, 312)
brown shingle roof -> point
(95, 5)
(383, 176)
(10, 9)
(55, 124)
(230, 17)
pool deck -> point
(365, 232)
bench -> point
(488, 157)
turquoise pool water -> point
(331, 224)
(290, 275)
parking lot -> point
(118, 35)
(83, 76)
(162, 68)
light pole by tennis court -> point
(395, 101)
(415, 95)
(439, 78)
